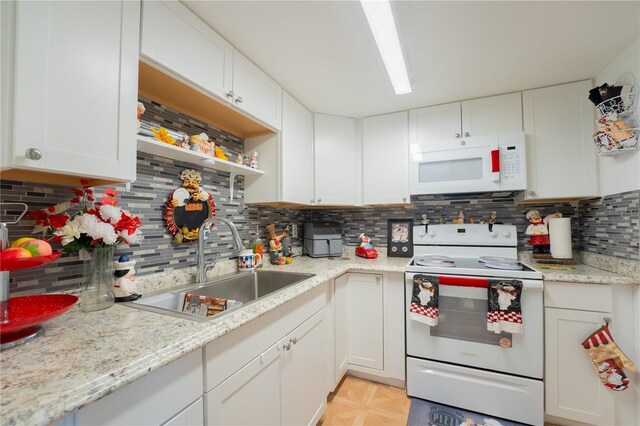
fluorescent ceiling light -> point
(383, 27)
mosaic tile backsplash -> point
(157, 177)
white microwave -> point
(473, 164)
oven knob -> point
(506, 234)
(493, 234)
(421, 234)
(432, 233)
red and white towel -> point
(505, 311)
(424, 300)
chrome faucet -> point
(204, 266)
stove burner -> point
(496, 259)
(442, 261)
(504, 265)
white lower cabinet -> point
(369, 327)
(256, 385)
(190, 416)
(152, 400)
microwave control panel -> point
(512, 167)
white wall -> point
(622, 173)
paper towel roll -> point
(560, 236)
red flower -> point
(111, 192)
(77, 192)
(84, 182)
(90, 198)
(51, 209)
(89, 191)
(57, 238)
(75, 200)
(58, 220)
(108, 200)
(127, 223)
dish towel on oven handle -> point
(505, 312)
(424, 299)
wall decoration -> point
(400, 238)
(187, 207)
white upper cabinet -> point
(477, 117)
(337, 159)
(181, 43)
(75, 90)
(255, 92)
(296, 164)
(385, 159)
(177, 41)
(558, 125)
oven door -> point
(461, 336)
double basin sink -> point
(244, 287)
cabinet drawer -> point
(585, 297)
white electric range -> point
(459, 362)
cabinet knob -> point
(294, 340)
(239, 100)
(319, 200)
(312, 202)
(404, 199)
(463, 143)
(466, 134)
(287, 346)
(457, 135)
(33, 154)
(377, 279)
(532, 193)
(230, 95)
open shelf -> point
(155, 147)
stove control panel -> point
(466, 234)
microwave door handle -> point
(495, 164)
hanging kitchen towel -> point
(505, 313)
(607, 359)
(424, 299)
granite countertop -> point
(84, 356)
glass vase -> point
(99, 280)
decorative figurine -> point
(458, 219)
(539, 232)
(493, 218)
(124, 288)
(442, 220)
(186, 142)
(253, 163)
(275, 246)
(366, 249)
(219, 153)
(239, 159)
(194, 143)
(187, 207)
(164, 136)
(140, 111)
(425, 219)
(472, 219)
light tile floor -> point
(361, 402)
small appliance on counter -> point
(322, 239)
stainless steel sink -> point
(244, 287)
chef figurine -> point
(493, 218)
(458, 219)
(139, 112)
(124, 288)
(365, 242)
(539, 232)
(253, 163)
(425, 219)
(275, 246)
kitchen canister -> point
(560, 236)
(248, 260)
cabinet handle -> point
(33, 154)
(404, 199)
(377, 279)
(312, 202)
(287, 346)
(294, 340)
(319, 200)
(239, 99)
(532, 193)
(230, 95)
(457, 135)
(466, 134)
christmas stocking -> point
(608, 360)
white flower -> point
(97, 229)
(134, 238)
(110, 213)
(69, 232)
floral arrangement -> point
(97, 223)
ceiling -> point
(324, 55)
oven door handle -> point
(463, 281)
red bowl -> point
(28, 262)
(27, 311)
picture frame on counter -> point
(400, 238)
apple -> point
(14, 253)
(21, 240)
(37, 247)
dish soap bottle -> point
(258, 247)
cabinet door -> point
(296, 153)
(76, 78)
(492, 115)
(341, 326)
(304, 396)
(181, 43)
(572, 388)
(193, 415)
(385, 159)
(559, 124)
(366, 320)
(151, 400)
(255, 92)
(336, 160)
(251, 396)
(435, 123)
